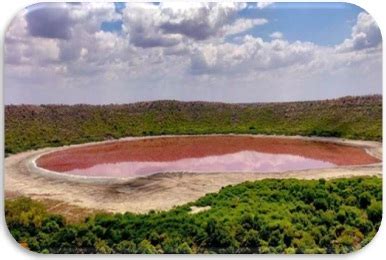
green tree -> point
(219, 235)
(251, 240)
(374, 211)
(126, 247)
(321, 203)
(184, 248)
(364, 199)
(145, 247)
(102, 247)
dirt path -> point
(157, 192)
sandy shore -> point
(156, 192)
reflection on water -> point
(245, 161)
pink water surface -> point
(245, 161)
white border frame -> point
(10, 249)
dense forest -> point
(31, 127)
(267, 216)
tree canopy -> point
(267, 216)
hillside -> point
(268, 216)
(31, 127)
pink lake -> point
(244, 161)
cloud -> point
(52, 21)
(56, 52)
(365, 34)
(177, 50)
(21, 48)
(57, 20)
(201, 22)
(242, 25)
(250, 55)
(276, 35)
(89, 17)
(166, 25)
(180, 51)
(262, 5)
(142, 24)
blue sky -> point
(323, 24)
(231, 52)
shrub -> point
(374, 212)
(258, 222)
(364, 199)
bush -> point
(321, 204)
(126, 247)
(145, 247)
(364, 199)
(25, 129)
(374, 212)
(184, 248)
(270, 216)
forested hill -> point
(30, 127)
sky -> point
(102, 53)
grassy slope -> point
(31, 127)
(268, 216)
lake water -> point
(244, 161)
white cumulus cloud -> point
(365, 34)
(178, 51)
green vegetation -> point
(268, 216)
(31, 127)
